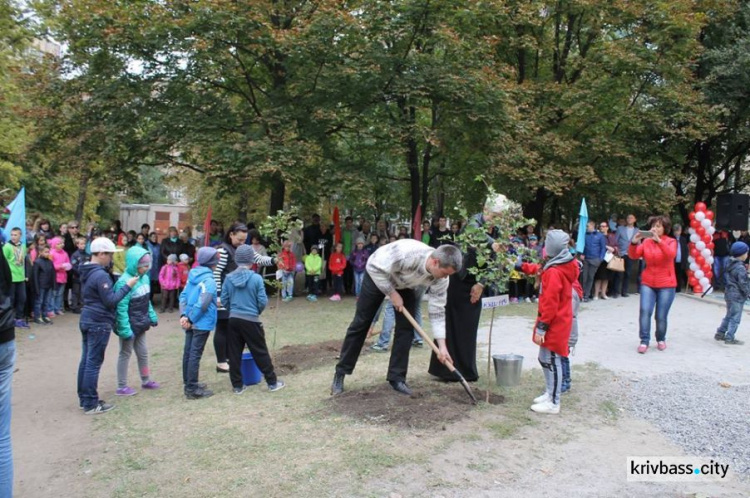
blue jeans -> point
(731, 320)
(287, 284)
(389, 322)
(720, 265)
(57, 298)
(662, 300)
(42, 303)
(95, 337)
(358, 277)
(195, 341)
(7, 365)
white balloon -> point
(706, 223)
(704, 282)
(694, 266)
(691, 230)
(706, 253)
(700, 216)
(700, 245)
(711, 230)
(710, 290)
(710, 260)
(694, 238)
(699, 274)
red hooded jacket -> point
(556, 306)
(337, 263)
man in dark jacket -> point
(171, 245)
(97, 319)
(7, 365)
(681, 260)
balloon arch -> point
(701, 248)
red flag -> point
(417, 225)
(207, 228)
(336, 226)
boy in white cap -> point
(97, 320)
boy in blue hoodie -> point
(97, 321)
(244, 295)
(135, 316)
(198, 312)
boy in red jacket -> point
(552, 328)
(337, 265)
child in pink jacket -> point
(61, 262)
(169, 279)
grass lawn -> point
(293, 442)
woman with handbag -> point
(603, 273)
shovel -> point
(449, 364)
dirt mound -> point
(433, 404)
(297, 358)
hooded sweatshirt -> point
(555, 316)
(135, 314)
(244, 294)
(60, 260)
(738, 283)
(198, 300)
(99, 297)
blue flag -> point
(17, 217)
(583, 220)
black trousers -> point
(220, 340)
(370, 299)
(241, 333)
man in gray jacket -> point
(624, 235)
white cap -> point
(103, 244)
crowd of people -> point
(116, 279)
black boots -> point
(337, 387)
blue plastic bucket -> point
(250, 373)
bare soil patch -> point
(297, 358)
(433, 404)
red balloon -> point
(693, 282)
(691, 215)
(700, 206)
(698, 289)
(701, 232)
(710, 245)
(700, 260)
(695, 253)
(695, 224)
(709, 215)
(706, 269)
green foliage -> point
(284, 225)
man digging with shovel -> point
(395, 270)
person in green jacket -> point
(135, 315)
(313, 267)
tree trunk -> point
(535, 208)
(278, 191)
(82, 188)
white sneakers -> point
(546, 407)
(541, 399)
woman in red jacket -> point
(658, 280)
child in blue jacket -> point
(198, 312)
(135, 316)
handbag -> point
(616, 264)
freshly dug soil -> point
(293, 359)
(433, 404)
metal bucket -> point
(508, 369)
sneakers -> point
(335, 297)
(47, 321)
(417, 344)
(278, 386)
(596, 298)
(51, 314)
(546, 407)
(527, 300)
(102, 407)
(59, 313)
(39, 321)
(379, 348)
(734, 342)
(152, 384)
(239, 390)
(542, 399)
(513, 299)
(661, 345)
(199, 394)
(718, 336)
(311, 298)
(604, 296)
(21, 324)
(643, 348)
(564, 387)
(126, 391)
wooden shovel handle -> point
(425, 337)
